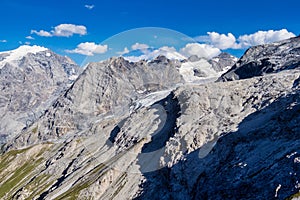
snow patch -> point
(187, 70)
(242, 165)
(297, 160)
(216, 59)
(73, 77)
(19, 53)
(277, 190)
(291, 155)
(149, 99)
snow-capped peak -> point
(20, 52)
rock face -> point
(31, 78)
(255, 155)
(140, 130)
(222, 62)
(258, 163)
(113, 88)
(264, 59)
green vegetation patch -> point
(11, 182)
(18, 176)
(6, 158)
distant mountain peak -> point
(32, 77)
(20, 52)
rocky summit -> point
(153, 129)
(31, 78)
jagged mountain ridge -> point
(112, 87)
(109, 88)
(264, 59)
(81, 157)
(162, 142)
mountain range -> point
(163, 128)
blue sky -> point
(103, 19)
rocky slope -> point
(110, 89)
(256, 156)
(31, 78)
(151, 130)
(223, 62)
(113, 88)
(264, 59)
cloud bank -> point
(264, 37)
(62, 30)
(229, 41)
(210, 45)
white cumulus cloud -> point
(222, 41)
(67, 30)
(41, 33)
(201, 50)
(89, 49)
(90, 7)
(264, 37)
(3, 41)
(229, 41)
(62, 30)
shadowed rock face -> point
(252, 156)
(128, 130)
(258, 163)
(264, 59)
(29, 84)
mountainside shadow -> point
(258, 161)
